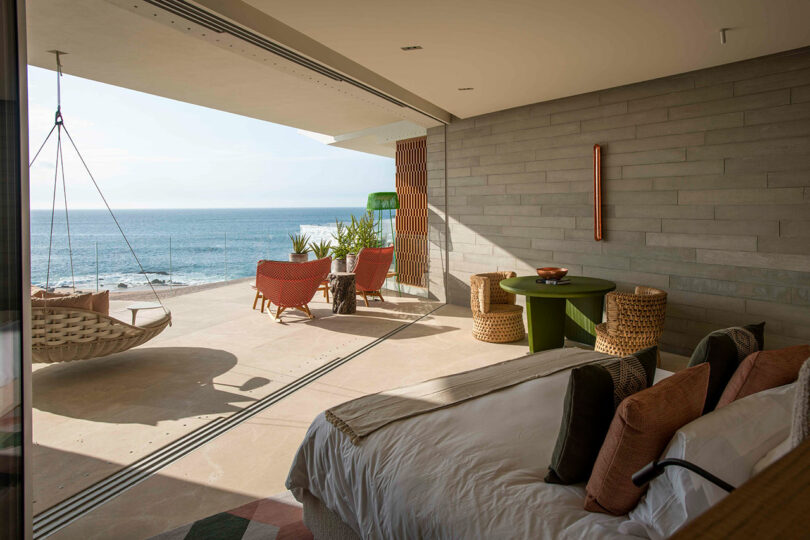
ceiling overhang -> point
(340, 69)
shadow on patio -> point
(143, 386)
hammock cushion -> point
(100, 300)
(64, 334)
(80, 301)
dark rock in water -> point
(122, 285)
(157, 281)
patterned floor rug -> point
(278, 517)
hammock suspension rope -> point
(59, 126)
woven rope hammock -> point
(63, 334)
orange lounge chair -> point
(371, 270)
(290, 285)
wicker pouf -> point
(496, 318)
(627, 344)
(503, 324)
(634, 321)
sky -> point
(147, 151)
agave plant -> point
(365, 232)
(344, 238)
(320, 249)
(300, 243)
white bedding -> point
(473, 470)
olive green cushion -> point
(724, 350)
(594, 392)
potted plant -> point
(300, 248)
(343, 246)
(364, 235)
(320, 249)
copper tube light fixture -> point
(597, 192)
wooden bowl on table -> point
(552, 272)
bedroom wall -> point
(706, 186)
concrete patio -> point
(94, 417)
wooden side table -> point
(344, 292)
(137, 306)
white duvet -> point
(473, 470)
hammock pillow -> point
(79, 301)
(100, 300)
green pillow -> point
(724, 350)
(594, 392)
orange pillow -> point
(763, 370)
(642, 427)
(101, 302)
(80, 301)
(42, 293)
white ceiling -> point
(512, 52)
(118, 46)
(516, 52)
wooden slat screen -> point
(412, 217)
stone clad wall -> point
(706, 189)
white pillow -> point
(728, 443)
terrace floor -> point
(95, 417)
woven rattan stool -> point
(496, 318)
(634, 321)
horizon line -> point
(206, 208)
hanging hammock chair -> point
(61, 334)
(64, 334)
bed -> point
(472, 470)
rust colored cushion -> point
(42, 293)
(642, 427)
(101, 302)
(80, 301)
(763, 370)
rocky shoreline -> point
(143, 292)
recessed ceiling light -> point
(466, 89)
(411, 47)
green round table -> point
(556, 312)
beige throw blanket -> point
(364, 415)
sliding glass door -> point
(14, 405)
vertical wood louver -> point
(412, 222)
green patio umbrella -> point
(385, 200)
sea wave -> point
(115, 281)
(319, 233)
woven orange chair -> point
(634, 321)
(258, 293)
(370, 271)
(496, 318)
(289, 284)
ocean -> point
(206, 245)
